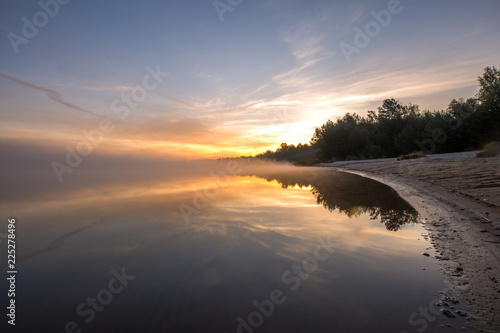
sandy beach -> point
(458, 198)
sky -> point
(190, 79)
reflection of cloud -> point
(57, 243)
(117, 250)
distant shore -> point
(458, 198)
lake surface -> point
(220, 248)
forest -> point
(396, 129)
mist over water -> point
(246, 231)
(128, 205)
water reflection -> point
(202, 276)
(349, 194)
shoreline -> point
(458, 198)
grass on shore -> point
(305, 162)
(411, 156)
(490, 150)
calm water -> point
(267, 249)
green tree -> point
(404, 142)
(392, 109)
(489, 92)
(398, 128)
(489, 108)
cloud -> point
(212, 109)
(107, 87)
(203, 75)
(52, 94)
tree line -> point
(397, 129)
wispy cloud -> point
(108, 87)
(230, 84)
(52, 94)
(203, 75)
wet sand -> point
(458, 197)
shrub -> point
(490, 150)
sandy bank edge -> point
(456, 225)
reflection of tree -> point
(349, 194)
(394, 219)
